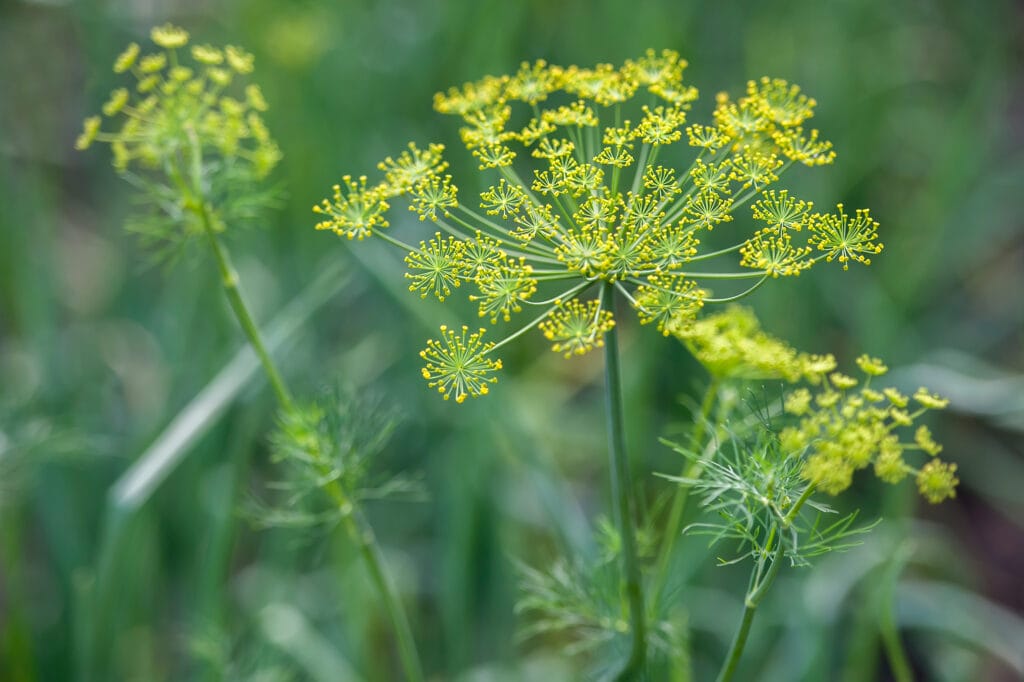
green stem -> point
(229, 278)
(360, 532)
(355, 524)
(788, 520)
(622, 494)
(754, 596)
(16, 655)
(894, 650)
(675, 516)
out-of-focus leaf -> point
(287, 628)
(964, 616)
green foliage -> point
(581, 600)
(326, 451)
(760, 495)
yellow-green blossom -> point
(846, 430)
(457, 365)
(731, 345)
(180, 132)
(577, 328)
(937, 481)
(584, 187)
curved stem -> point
(894, 651)
(622, 494)
(740, 295)
(537, 320)
(713, 254)
(754, 596)
(804, 496)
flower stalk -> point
(622, 494)
(758, 587)
(229, 280)
(355, 524)
(361, 533)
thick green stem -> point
(361, 534)
(622, 494)
(229, 278)
(754, 596)
(675, 515)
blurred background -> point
(100, 351)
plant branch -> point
(754, 596)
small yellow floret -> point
(798, 402)
(126, 59)
(208, 55)
(871, 366)
(238, 59)
(924, 440)
(842, 381)
(937, 481)
(169, 36)
(889, 465)
(930, 400)
(91, 128)
(895, 397)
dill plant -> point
(599, 190)
(765, 475)
(189, 134)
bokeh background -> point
(99, 351)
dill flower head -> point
(596, 176)
(188, 131)
(457, 365)
(846, 425)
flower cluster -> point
(731, 345)
(190, 131)
(599, 177)
(846, 425)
